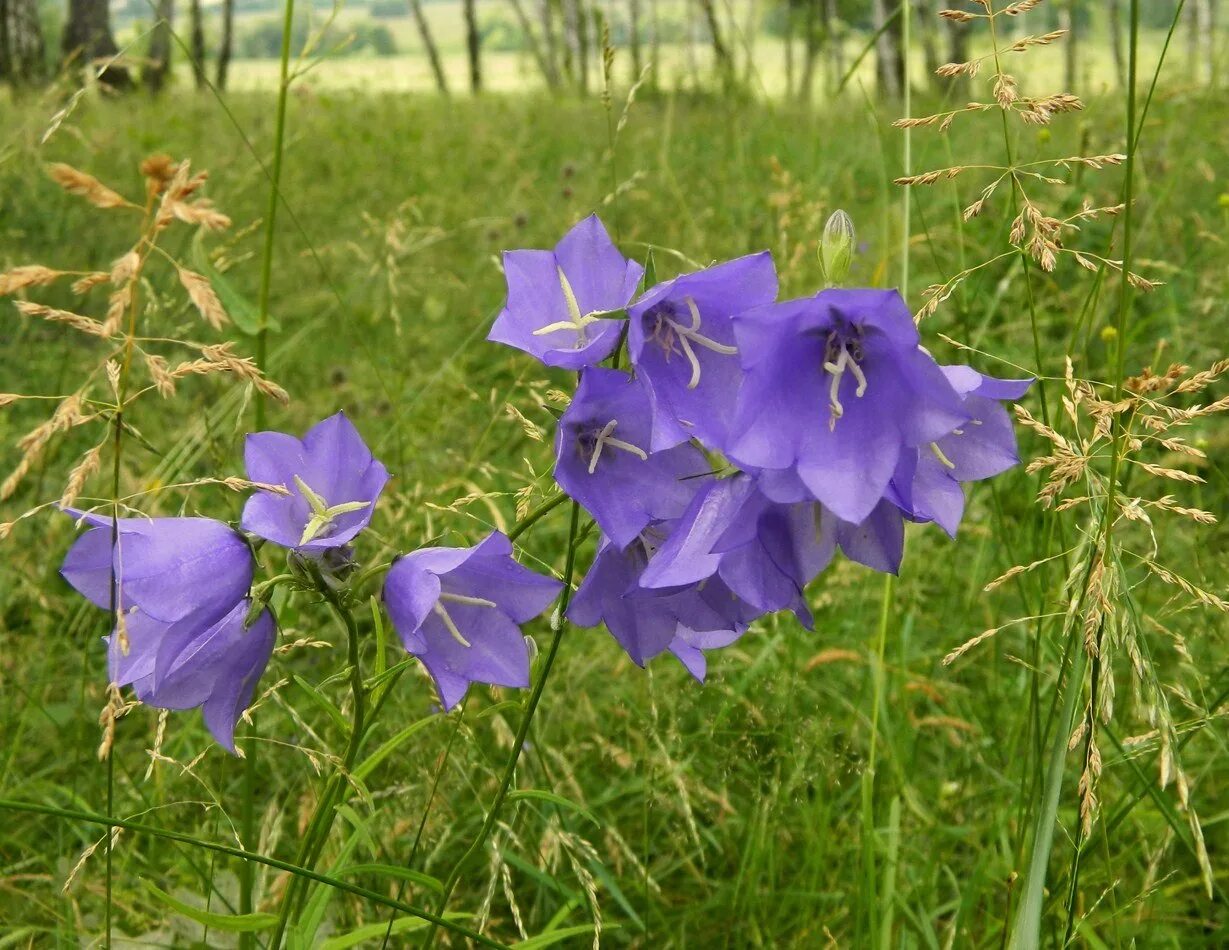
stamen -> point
(948, 463)
(687, 335)
(838, 359)
(575, 321)
(440, 611)
(467, 600)
(604, 438)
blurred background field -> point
(814, 791)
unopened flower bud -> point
(836, 248)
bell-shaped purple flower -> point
(836, 388)
(603, 458)
(927, 482)
(765, 552)
(332, 479)
(172, 569)
(190, 664)
(645, 621)
(558, 301)
(681, 340)
(459, 610)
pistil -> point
(575, 321)
(840, 360)
(688, 336)
(441, 611)
(605, 438)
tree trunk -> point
(836, 43)
(788, 39)
(928, 26)
(655, 43)
(88, 40)
(721, 53)
(535, 48)
(227, 44)
(22, 50)
(633, 37)
(889, 57)
(428, 43)
(577, 24)
(1212, 57)
(197, 43)
(811, 43)
(158, 55)
(1071, 49)
(958, 52)
(473, 45)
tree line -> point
(565, 39)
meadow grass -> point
(741, 813)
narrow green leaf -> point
(228, 923)
(402, 925)
(322, 701)
(555, 936)
(242, 312)
(369, 764)
(540, 795)
(389, 870)
(650, 270)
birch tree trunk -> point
(889, 57)
(158, 55)
(88, 40)
(473, 45)
(1069, 23)
(22, 50)
(428, 43)
(197, 30)
(226, 46)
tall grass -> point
(843, 786)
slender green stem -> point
(518, 744)
(106, 821)
(275, 183)
(536, 515)
(879, 675)
(321, 822)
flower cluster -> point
(751, 439)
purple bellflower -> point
(189, 664)
(836, 388)
(459, 610)
(927, 483)
(681, 341)
(171, 569)
(647, 622)
(558, 301)
(603, 460)
(766, 553)
(332, 479)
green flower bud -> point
(836, 248)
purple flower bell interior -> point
(459, 610)
(332, 479)
(557, 300)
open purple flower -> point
(190, 664)
(170, 568)
(836, 388)
(332, 480)
(927, 482)
(558, 300)
(459, 610)
(646, 622)
(603, 460)
(681, 341)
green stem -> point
(536, 515)
(275, 182)
(322, 818)
(35, 808)
(518, 744)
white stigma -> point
(575, 321)
(322, 513)
(687, 336)
(605, 438)
(836, 369)
(441, 611)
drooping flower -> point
(927, 482)
(190, 664)
(681, 340)
(459, 610)
(648, 621)
(558, 300)
(172, 569)
(765, 552)
(603, 459)
(332, 479)
(836, 388)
